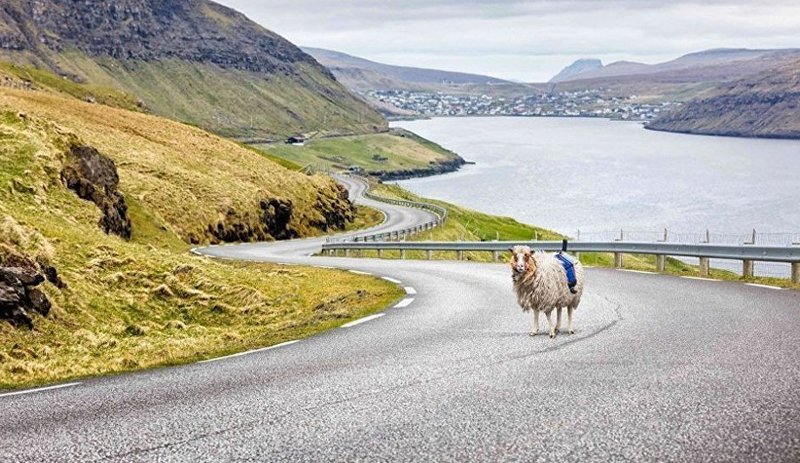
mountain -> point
(578, 67)
(362, 75)
(191, 60)
(692, 61)
(766, 105)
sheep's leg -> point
(558, 320)
(535, 323)
(570, 309)
(550, 324)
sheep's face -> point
(522, 260)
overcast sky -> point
(526, 40)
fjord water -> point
(600, 176)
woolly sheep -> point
(540, 284)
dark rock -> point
(276, 214)
(94, 177)
(12, 298)
(26, 277)
(38, 301)
(51, 274)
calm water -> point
(598, 176)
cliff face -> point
(764, 106)
(194, 30)
(192, 60)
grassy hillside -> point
(193, 181)
(397, 153)
(191, 60)
(144, 302)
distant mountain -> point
(576, 68)
(361, 75)
(701, 66)
(191, 60)
(766, 105)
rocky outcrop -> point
(273, 221)
(94, 177)
(435, 168)
(19, 295)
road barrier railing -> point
(438, 211)
(748, 254)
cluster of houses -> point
(584, 103)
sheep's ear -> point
(511, 250)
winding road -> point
(661, 369)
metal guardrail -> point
(438, 211)
(746, 253)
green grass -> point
(395, 151)
(43, 80)
(230, 102)
(467, 225)
(147, 302)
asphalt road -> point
(661, 369)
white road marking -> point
(635, 271)
(698, 278)
(410, 290)
(392, 280)
(29, 391)
(363, 320)
(359, 272)
(325, 267)
(404, 303)
(250, 351)
(763, 286)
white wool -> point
(547, 287)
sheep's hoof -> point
(552, 335)
(571, 331)
(532, 333)
(558, 330)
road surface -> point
(661, 368)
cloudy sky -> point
(526, 40)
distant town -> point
(585, 103)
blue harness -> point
(569, 269)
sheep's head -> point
(522, 260)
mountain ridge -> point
(193, 60)
(360, 74)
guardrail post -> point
(429, 254)
(796, 272)
(661, 263)
(403, 254)
(360, 253)
(704, 266)
(347, 253)
(496, 256)
(380, 253)
(747, 269)
(618, 260)
(460, 255)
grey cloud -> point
(526, 39)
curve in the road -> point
(662, 368)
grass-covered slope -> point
(190, 60)
(196, 185)
(144, 302)
(396, 154)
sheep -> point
(540, 284)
